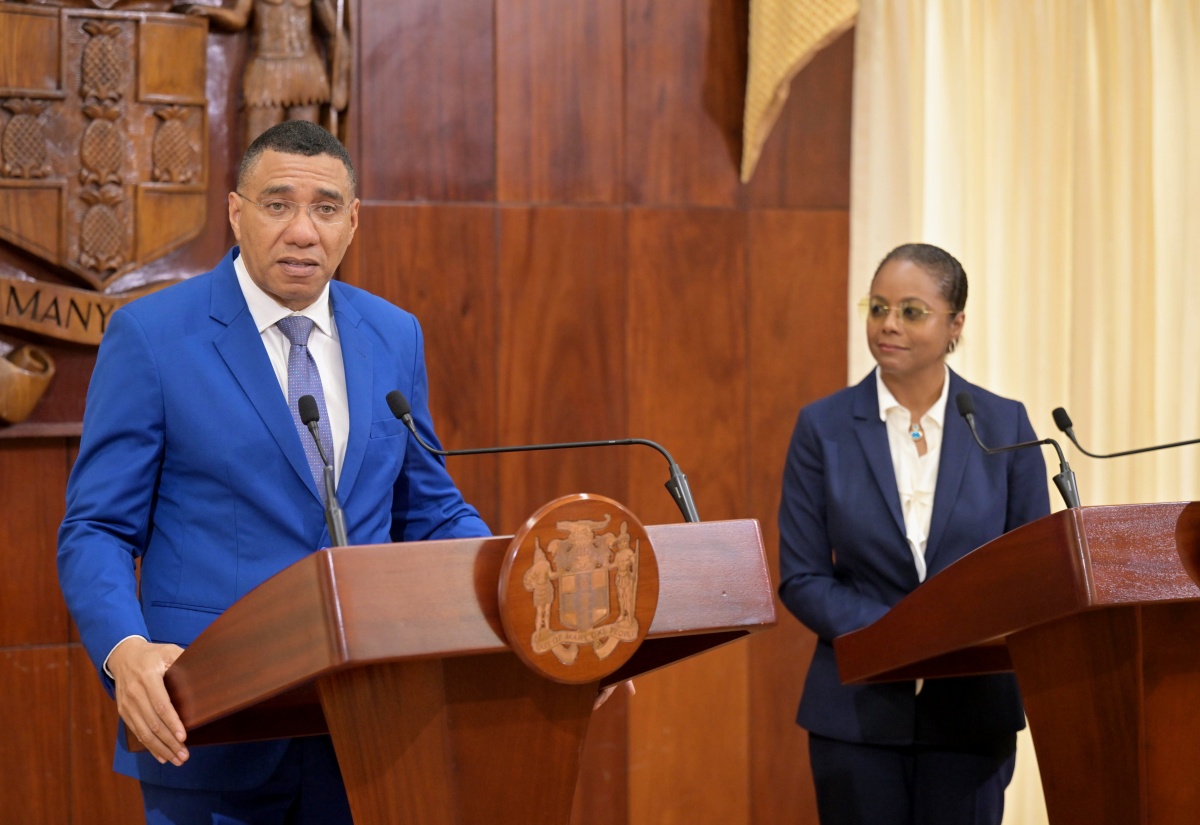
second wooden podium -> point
(401, 654)
(1097, 610)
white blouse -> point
(916, 475)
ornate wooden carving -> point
(299, 63)
(103, 166)
(578, 588)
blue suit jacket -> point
(844, 560)
(190, 460)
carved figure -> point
(625, 563)
(293, 71)
(539, 579)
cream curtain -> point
(1053, 146)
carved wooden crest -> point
(579, 588)
(103, 135)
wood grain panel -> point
(688, 742)
(805, 162)
(602, 791)
(684, 92)
(797, 354)
(427, 100)
(561, 355)
(438, 262)
(99, 796)
(33, 480)
(559, 71)
(689, 738)
(687, 355)
(34, 743)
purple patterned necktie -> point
(303, 379)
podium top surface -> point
(1074, 560)
(348, 606)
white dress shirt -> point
(916, 475)
(323, 343)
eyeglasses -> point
(911, 312)
(285, 211)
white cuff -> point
(114, 647)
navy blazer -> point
(844, 560)
(190, 461)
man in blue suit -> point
(193, 460)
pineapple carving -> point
(102, 146)
(23, 144)
(103, 70)
(174, 158)
(100, 240)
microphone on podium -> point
(1063, 422)
(677, 484)
(335, 520)
(1064, 481)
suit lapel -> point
(957, 445)
(872, 437)
(240, 346)
(357, 358)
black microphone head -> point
(309, 413)
(398, 404)
(1062, 420)
(966, 404)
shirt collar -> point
(887, 401)
(267, 312)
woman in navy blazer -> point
(882, 489)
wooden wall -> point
(551, 186)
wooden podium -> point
(1097, 610)
(398, 651)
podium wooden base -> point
(1112, 697)
(452, 742)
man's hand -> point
(137, 667)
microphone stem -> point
(335, 519)
(1064, 481)
(677, 485)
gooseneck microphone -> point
(335, 520)
(1064, 481)
(677, 484)
(1063, 421)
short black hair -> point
(941, 265)
(296, 137)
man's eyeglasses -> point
(910, 311)
(285, 211)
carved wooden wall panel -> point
(686, 371)
(35, 748)
(686, 65)
(427, 102)
(438, 262)
(33, 479)
(559, 76)
(563, 322)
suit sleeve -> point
(110, 494)
(1028, 493)
(810, 586)
(426, 504)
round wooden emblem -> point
(578, 588)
